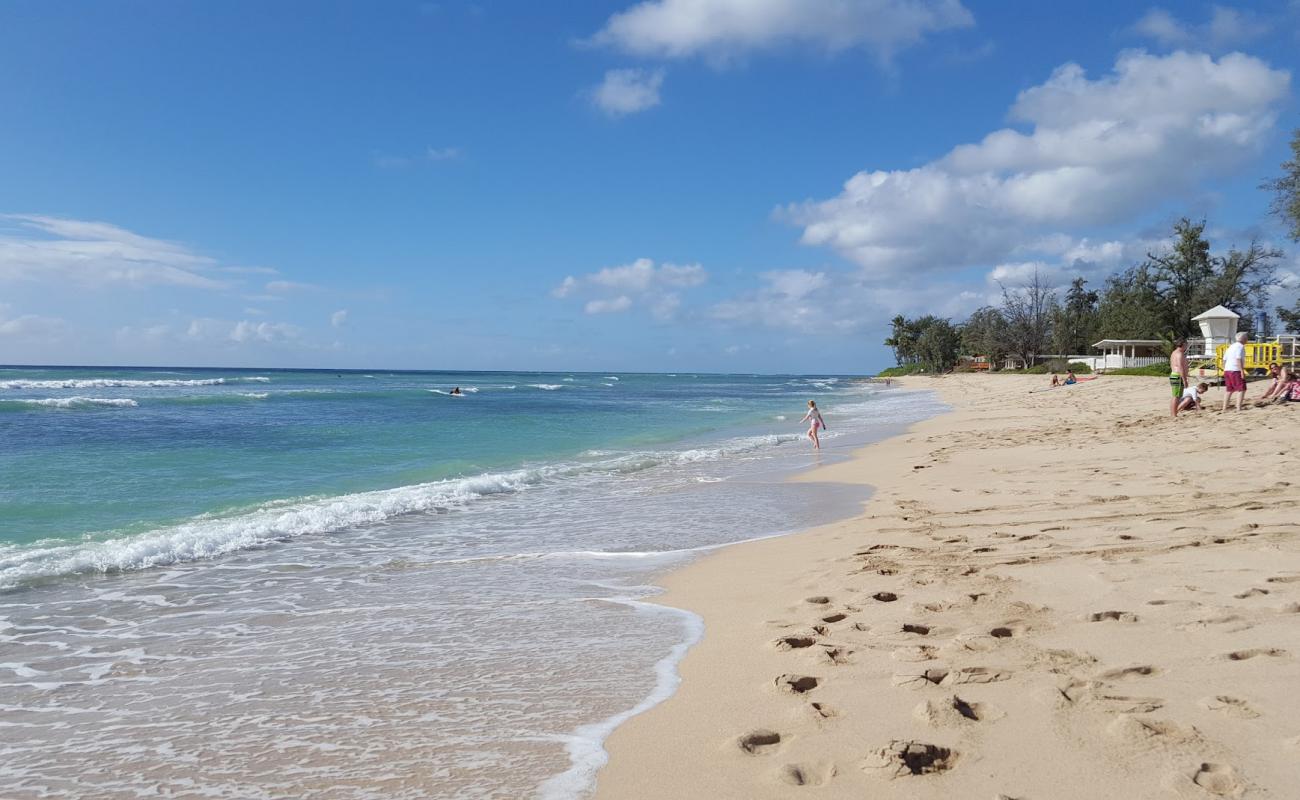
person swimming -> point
(816, 423)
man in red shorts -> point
(1234, 374)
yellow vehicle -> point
(1258, 356)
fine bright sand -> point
(1051, 595)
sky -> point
(666, 185)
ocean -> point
(353, 584)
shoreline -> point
(586, 745)
(827, 653)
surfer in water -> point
(816, 423)
(455, 390)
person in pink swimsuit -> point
(816, 423)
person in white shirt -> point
(1192, 397)
(1234, 376)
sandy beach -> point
(1051, 595)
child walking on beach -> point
(814, 417)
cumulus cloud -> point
(723, 30)
(339, 318)
(241, 332)
(1227, 27)
(28, 326)
(610, 306)
(839, 303)
(68, 251)
(642, 282)
(1096, 152)
(627, 91)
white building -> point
(1218, 326)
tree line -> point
(1154, 299)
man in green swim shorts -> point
(1177, 374)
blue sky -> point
(662, 185)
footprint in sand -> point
(954, 710)
(884, 597)
(817, 600)
(822, 711)
(1218, 779)
(1245, 655)
(836, 617)
(796, 684)
(1116, 616)
(836, 655)
(1139, 671)
(1253, 592)
(1008, 631)
(903, 758)
(807, 774)
(759, 742)
(1232, 706)
(794, 642)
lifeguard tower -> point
(1219, 327)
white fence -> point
(1120, 362)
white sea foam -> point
(209, 536)
(586, 745)
(550, 387)
(255, 395)
(76, 402)
(611, 377)
(123, 383)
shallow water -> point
(474, 635)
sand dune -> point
(1052, 595)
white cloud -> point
(68, 251)
(241, 332)
(1098, 152)
(722, 30)
(339, 318)
(1227, 27)
(627, 91)
(245, 331)
(839, 303)
(619, 288)
(28, 326)
(790, 300)
(611, 306)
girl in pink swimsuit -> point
(817, 423)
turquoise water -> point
(254, 584)
(89, 453)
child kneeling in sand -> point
(1192, 398)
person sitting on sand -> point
(1279, 377)
(1287, 391)
(1056, 380)
(1070, 380)
(814, 417)
(1191, 400)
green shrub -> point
(898, 372)
(1159, 370)
(1080, 368)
